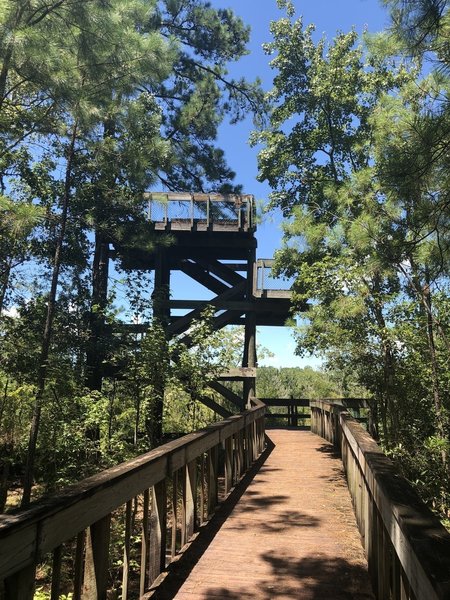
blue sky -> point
(329, 16)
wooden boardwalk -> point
(290, 534)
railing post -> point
(228, 464)
(248, 446)
(78, 567)
(201, 508)
(97, 560)
(158, 516)
(144, 542)
(56, 573)
(189, 495)
(20, 586)
(212, 479)
(127, 549)
(173, 545)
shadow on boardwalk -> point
(178, 571)
(311, 578)
(279, 541)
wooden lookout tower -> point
(212, 241)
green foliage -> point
(294, 382)
(355, 156)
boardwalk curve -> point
(291, 534)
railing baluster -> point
(144, 542)
(78, 566)
(173, 547)
(127, 549)
(56, 573)
(20, 586)
(190, 476)
(158, 531)
(228, 464)
(248, 447)
(201, 509)
(97, 560)
(212, 480)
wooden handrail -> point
(84, 510)
(293, 416)
(407, 548)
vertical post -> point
(95, 355)
(20, 586)
(161, 314)
(149, 210)
(249, 357)
(201, 508)
(173, 547)
(96, 560)
(190, 483)
(56, 573)
(246, 448)
(158, 531)
(144, 542)
(126, 550)
(241, 452)
(228, 464)
(78, 569)
(212, 479)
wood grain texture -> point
(291, 534)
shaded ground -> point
(288, 533)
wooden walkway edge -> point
(288, 532)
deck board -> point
(291, 534)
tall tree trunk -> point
(4, 283)
(96, 351)
(154, 417)
(47, 334)
(437, 400)
(5, 70)
(386, 404)
(423, 291)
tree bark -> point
(437, 400)
(4, 285)
(96, 351)
(386, 404)
(47, 334)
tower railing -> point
(265, 285)
(201, 212)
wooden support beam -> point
(227, 394)
(213, 405)
(203, 277)
(221, 270)
(285, 401)
(182, 324)
(238, 374)
(226, 318)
